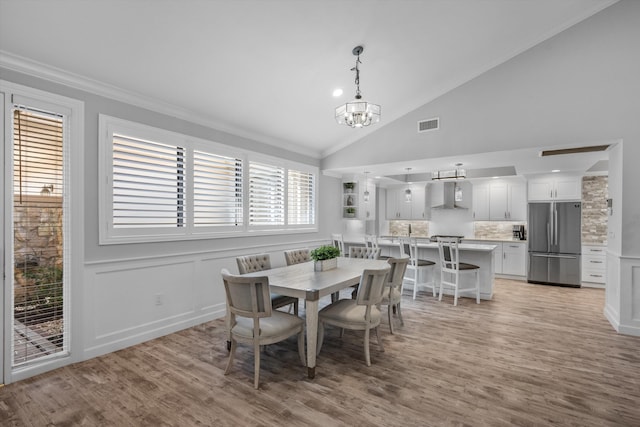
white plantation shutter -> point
(148, 184)
(217, 190)
(266, 194)
(300, 198)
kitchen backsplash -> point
(495, 229)
(594, 210)
(401, 228)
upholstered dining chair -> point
(252, 320)
(451, 267)
(297, 256)
(364, 252)
(360, 314)
(392, 295)
(417, 268)
(261, 262)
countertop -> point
(426, 245)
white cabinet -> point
(481, 201)
(594, 264)
(510, 258)
(555, 187)
(514, 258)
(500, 200)
(354, 205)
(407, 202)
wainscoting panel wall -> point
(127, 302)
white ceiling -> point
(266, 69)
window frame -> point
(110, 126)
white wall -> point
(581, 86)
(122, 282)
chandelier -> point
(358, 113)
(450, 174)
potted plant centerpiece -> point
(325, 257)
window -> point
(161, 185)
(217, 190)
(39, 322)
(266, 194)
(148, 184)
(301, 198)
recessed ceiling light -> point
(496, 177)
(555, 170)
(337, 92)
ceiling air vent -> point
(576, 150)
(427, 125)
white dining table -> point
(301, 281)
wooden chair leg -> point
(295, 308)
(399, 311)
(320, 337)
(389, 309)
(301, 348)
(379, 339)
(366, 347)
(232, 353)
(256, 365)
(477, 287)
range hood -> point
(444, 195)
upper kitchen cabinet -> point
(500, 200)
(555, 187)
(408, 202)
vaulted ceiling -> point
(267, 69)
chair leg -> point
(399, 310)
(366, 347)
(389, 309)
(455, 295)
(256, 364)
(477, 287)
(379, 339)
(295, 307)
(433, 281)
(232, 353)
(415, 282)
(301, 348)
(320, 337)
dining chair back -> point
(364, 252)
(297, 256)
(451, 268)
(392, 295)
(253, 321)
(253, 263)
(337, 240)
(361, 313)
(261, 262)
(420, 272)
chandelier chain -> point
(357, 81)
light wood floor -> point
(535, 355)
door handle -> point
(555, 224)
(555, 256)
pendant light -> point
(358, 113)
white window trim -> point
(109, 125)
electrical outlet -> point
(159, 299)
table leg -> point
(312, 337)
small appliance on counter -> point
(518, 232)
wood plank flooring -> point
(534, 356)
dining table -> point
(302, 281)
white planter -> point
(326, 264)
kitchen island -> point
(481, 255)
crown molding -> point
(52, 74)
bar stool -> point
(416, 267)
(338, 241)
(451, 267)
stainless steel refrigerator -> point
(554, 243)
